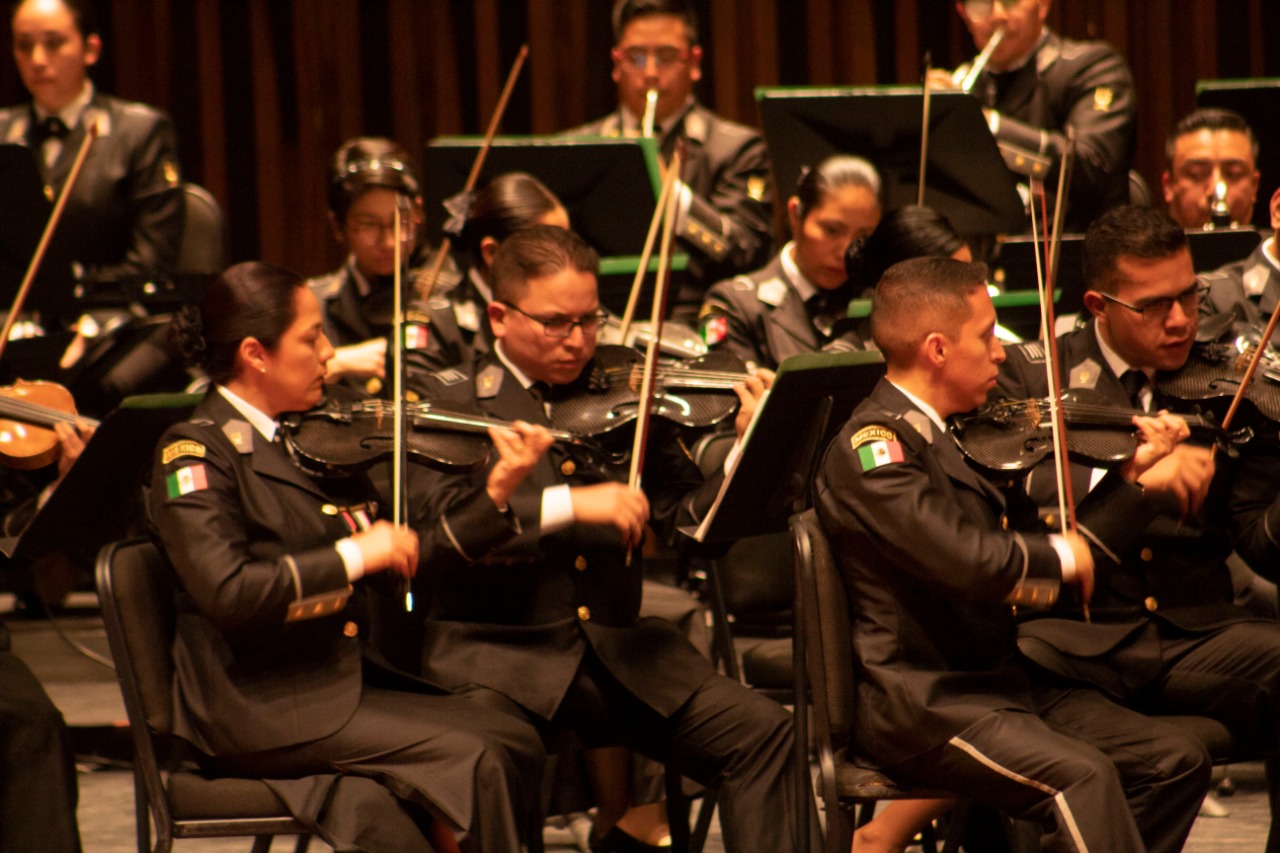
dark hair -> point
(626, 11)
(249, 300)
(82, 12)
(537, 251)
(509, 203)
(1129, 231)
(836, 171)
(904, 232)
(366, 162)
(918, 297)
(1209, 118)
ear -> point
(1096, 305)
(616, 73)
(498, 319)
(1044, 10)
(488, 248)
(793, 216)
(1166, 182)
(1275, 209)
(695, 63)
(92, 50)
(934, 349)
(252, 355)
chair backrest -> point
(202, 250)
(822, 606)
(135, 591)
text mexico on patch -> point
(876, 446)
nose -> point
(1178, 317)
(38, 55)
(326, 349)
(997, 348)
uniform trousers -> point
(1095, 776)
(37, 770)
(725, 736)
(477, 769)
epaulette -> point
(1032, 351)
(326, 286)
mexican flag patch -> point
(184, 481)
(876, 446)
(415, 336)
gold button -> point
(568, 468)
(1048, 520)
(329, 509)
(1146, 554)
(1150, 603)
(374, 385)
(412, 396)
(1004, 522)
(350, 629)
(581, 563)
(584, 613)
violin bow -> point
(1254, 361)
(1045, 273)
(647, 252)
(924, 130)
(644, 414)
(91, 133)
(459, 206)
(399, 458)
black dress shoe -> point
(617, 841)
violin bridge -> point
(1034, 414)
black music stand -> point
(812, 396)
(1221, 246)
(609, 188)
(1259, 102)
(1014, 269)
(97, 501)
(966, 179)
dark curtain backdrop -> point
(263, 91)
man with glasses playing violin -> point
(546, 627)
(1037, 86)
(725, 195)
(1165, 636)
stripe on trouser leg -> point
(1068, 818)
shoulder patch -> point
(240, 434)
(772, 292)
(467, 313)
(921, 422)
(876, 446)
(452, 376)
(1032, 351)
(489, 382)
(185, 447)
(756, 187)
(1085, 374)
(1102, 97)
(742, 282)
(875, 432)
(416, 336)
(186, 480)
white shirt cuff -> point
(557, 508)
(1065, 556)
(684, 198)
(352, 559)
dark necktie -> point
(1134, 381)
(48, 128)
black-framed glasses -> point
(560, 326)
(980, 10)
(1156, 310)
(663, 57)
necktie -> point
(48, 128)
(1134, 381)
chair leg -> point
(262, 843)
(304, 843)
(702, 828)
(955, 827)
(1272, 766)
(677, 811)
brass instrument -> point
(650, 113)
(967, 80)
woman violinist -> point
(277, 573)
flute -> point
(966, 82)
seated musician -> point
(1207, 148)
(370, 176)
(932, 557)
(265, 686)
(1250, 288)
(1165, 637)
(546, 628)
(797, 302)
(912, 231)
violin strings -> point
(34, 411)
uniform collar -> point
(1113, 359)
(255, 416)
(525, 381)
(72, 112)
(921, 405)
(804, 288)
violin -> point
(347, 433)
(1216, 369)
(696, 393)
(1015, 435)
(28, 411)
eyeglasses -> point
(980, 10)
(663, 57)
(559, 326)
(377, 229)
(1156, 310)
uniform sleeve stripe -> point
(297, 578)
(453, 540)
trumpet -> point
(650, 112)
(967, 80)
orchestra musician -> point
(912, 231)
(1038, 86)
(264, 685)
(125, 212)
(1208, 147)
(370, 176)
(796, 303)
(725, 198)
(546, 627)
(1166, 636)
(932, 557)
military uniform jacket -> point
(125, 212)
(1173, 574)
(457, 328)
(726, 167)
(268, 648)
(930, 573)
(1084, 86)
(519, 619)
(1227, 292)
(766, 321)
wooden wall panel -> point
(268, 88)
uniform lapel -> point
(270, 459)
(789, 318)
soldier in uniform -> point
(725, 201)
(278, 576)
(1206, 148)
(547, 627)
(932, 557)
(1037, 86)
(1166, 636)
(797, 303)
